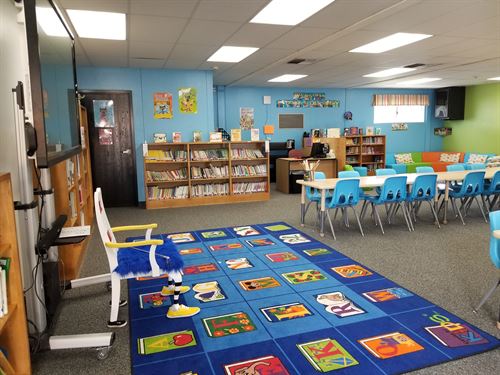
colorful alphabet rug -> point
(275, 301)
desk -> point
(286, 165)
(377, 181)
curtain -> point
(403, 99)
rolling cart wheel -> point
(103, 353)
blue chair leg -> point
(486, 296)
(457, 210)
(359, 222)
(433, 209)
(331, 225)
(377, 217)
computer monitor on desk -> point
(318, 150)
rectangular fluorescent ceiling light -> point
(419, 81)
(288, 78)
(390, 72)
(289, 12)
(99, 25)
(390, 42)
(231, 54)
(49, 22)
(494, 79)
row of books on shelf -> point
(4, 273)
(353, 150)
(166, 155)
(209, 190)
(373, 140)
(211, 154)
(167, 175)
(246, 153)
(371, 150)
(352, 159)
(211, 171)
(249, 187)
(177, 192)
(243, 170)
(70, 172)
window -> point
(398, 113)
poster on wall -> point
(399, 126)
(104, 113)
(246, 118)
(162, 105)
(105, 137)
(188, 100)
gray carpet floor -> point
(448, 266)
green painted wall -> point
(480, 130)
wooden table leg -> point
(302, 206)
(322, 213)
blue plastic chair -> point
(494, 255)
(345, 195)
(475, 167)
(314, 195)
(492, 190)
(423, 190)
(455, 168)
(393, 193)
(385, 172)
(425, 170)
(472, 188)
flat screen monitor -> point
(318, 150)
(54, 89)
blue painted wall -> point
(419, 137)
(144, 83)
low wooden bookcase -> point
(13, 326)
(365, 151)
(193, 174)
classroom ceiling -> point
(182, 34)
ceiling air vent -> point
(302, 61)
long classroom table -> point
(378, 181)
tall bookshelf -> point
(365, 151)
(13, 326)
(73, 196)
(200, 173)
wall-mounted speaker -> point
(450, 103)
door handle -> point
(127, 151)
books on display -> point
(176, 137)
(254, 134)
(215, 137)
(236, 135)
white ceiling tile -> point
(256, 35)
(486, 29)
(223, 10)
(158, 29)
(149, 49)
(181, 64)
(103, 48)
(198, 52)
(213, 33)
(146, 63)
(166, 8)
(300, 37)
(112, 61)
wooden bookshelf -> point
(13, 326)
(365, 151)
(73, 196)
(223, 156)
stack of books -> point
(249, 187)
(4, 272)
(168, 175)
(246, 153)
(215, 154)
(210, 172)
(178, 192)
(166, 155)
(242, 170)
(209, 190)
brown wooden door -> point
(112, 148)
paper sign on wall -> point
(188, 102)
(162, 105)
(246, 118)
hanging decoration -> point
(307, 100)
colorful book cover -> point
(226, 246)
(260, 242)
(259, 284)
(390, 345)
(197, 136)
(285, 312)
(208, 292)
(151, 300)
(214, 234)
(454, 335)
(351, 271)
(317, 252)
(194, 250)
(165, 342)
(238, 263)
(388, 294)
(200, 268)
(284, 256)
(268, 365)
(246, 231)
(278, 228)
(146, 278)
(181, 237)
(235, 135)
(293, 239)
(176, 137)
(229, 324)
(338, 304)
(327, 355)
(306, 276)
(254, 134)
